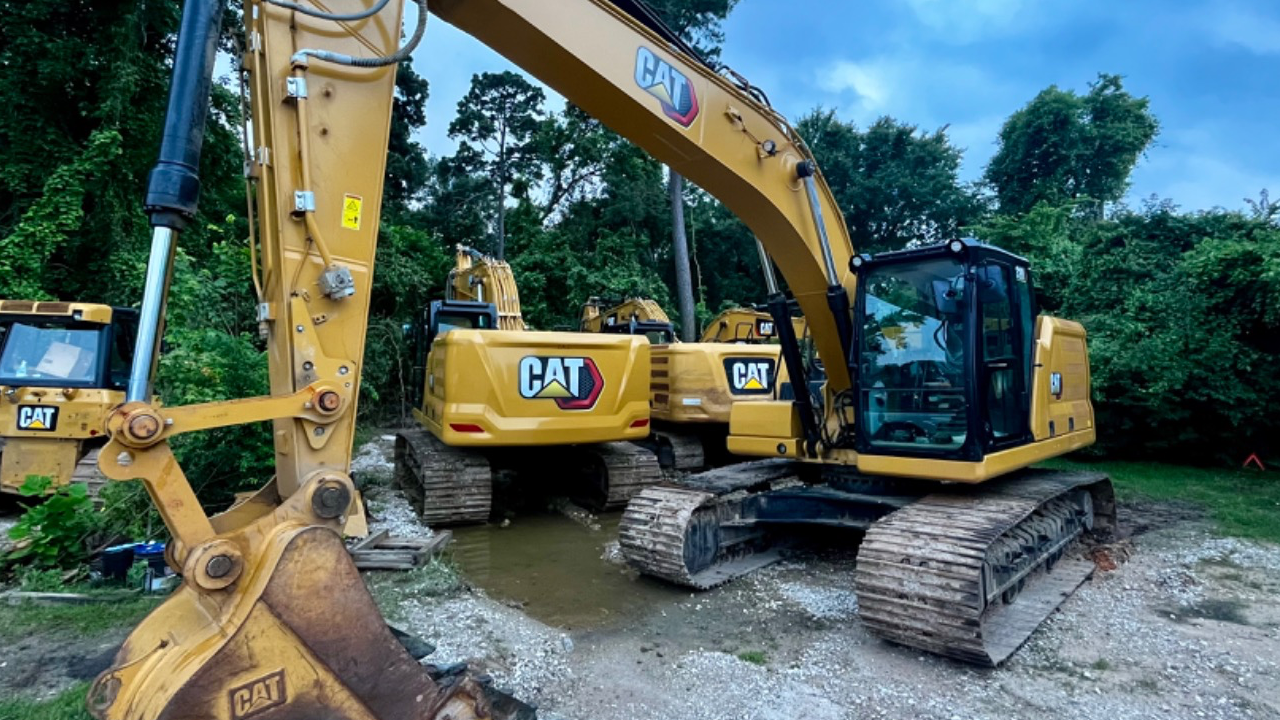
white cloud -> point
(968, 20)
(1253, 31)
(1192, 167)
(870, 82)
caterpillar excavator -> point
(941, 386)
(632, 316)
(745, 325)
(693, 385)
(63, 368)
(504, 409)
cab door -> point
(1004, 335)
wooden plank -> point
(370, 541)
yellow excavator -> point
(631, 316)
(941, 383)
(505, 408)
(745, 325)
(693, 385)
(63, 368)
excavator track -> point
(685, 533)
(971, 575)
(679, 451)
(447, 485)
(616, 472)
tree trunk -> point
(500, 242)
(684, 278)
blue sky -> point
(1208, 66)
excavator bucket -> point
(297, 638)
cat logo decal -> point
(574, 383)
(669, 85)
(257, 696)
(38, 417)
(749, 376)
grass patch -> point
(439, 578)
(67, 706)
(17, 621)
(1231, 611)
(1101, 664)
(755, 657)
(1242, 503)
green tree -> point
(896, 184)
(1063, 146)
(498, 121)
(407, 167)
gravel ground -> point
(1189, 627)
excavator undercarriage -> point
(461, 485)
(964, 571)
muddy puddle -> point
(553, 567)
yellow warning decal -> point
(351, 206)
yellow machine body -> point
(745, 325)
(596, 316)
(45, 430)
(700, 382)
(1060, 423)
(495, 388)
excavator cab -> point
(945, 351)
(63, 368)
(65, 345)
(439, 317)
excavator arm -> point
(620, 69)
(273, 620)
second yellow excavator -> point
(693, 385)
(64, 367)
(503, 407)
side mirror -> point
(946, 297)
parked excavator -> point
(507, 411)
(745, 325)
(63, 368)
(941, 384)
(693, 385)
(630, 316)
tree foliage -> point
(897, 186)
(1063, 146)
(497, 122)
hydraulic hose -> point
(301, 57)
(335, 17)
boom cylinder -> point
(766, 265)
(786, 333)
(173, 189)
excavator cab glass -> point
(944, 351)
(63, 351)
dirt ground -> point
(1188, 627)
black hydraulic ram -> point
(173, 191)
(837, 296)
(780, 310)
